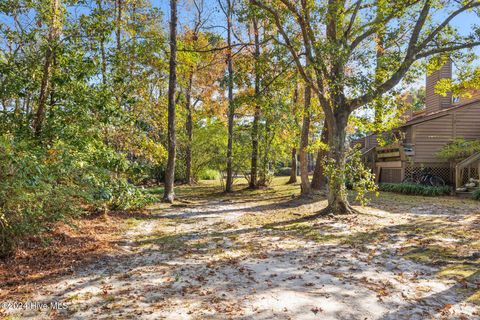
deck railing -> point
(472, 161)
(393, 152)
(369, 158)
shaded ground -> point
(59, 251)
(249, 256)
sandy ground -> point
(253, 259)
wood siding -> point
(390, 175)
(467, 121)
(431, 136)
(371, 141)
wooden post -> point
(457, 177)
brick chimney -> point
(435, 102)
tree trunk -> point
(27, 104)
(102, 48)
(318, 179)
(265, 163)
(231, 107)
(293, 171)
(305, 183)
(337, 192)
(52, 38)
(169, 194)
(189, 128)
(256, 117)
(119, 21)
(42, 99)
(379, 56)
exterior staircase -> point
(464, 172)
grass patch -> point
(304, 229)
(458, 271)
(209, 174)
(430, 254)
(155, 190)
(132, 222)
(73, 297)
(475, 298)
(361, 239)
(163, 239)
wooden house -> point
(424, 134)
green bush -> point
(459, 149)
(414, 189)
(476, 195)
(40, 185)
(209, 174)
(283, 172)
(121, 195)
(35, 190)
(157, 172)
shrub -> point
(459, 149)
(40, 185)
(414, 189)
(209, 174)
(476, 195)
(36, 188)
(283, 172)
(357, 177)
(121, 195)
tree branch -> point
(441, 26)
(357, 5)
(412, 49)
(288, 43)
(447, 49)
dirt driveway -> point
(251, 256)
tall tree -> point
(188, 95)
(340, 58)
(118, 32)
(189, 129)
(102, 41)
(169, 194)
(379, 43)
(227, 9)
(318, 179)
(304, 181)
(256, 116)
(54, 26)
(293, 171)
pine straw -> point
(45, 257)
